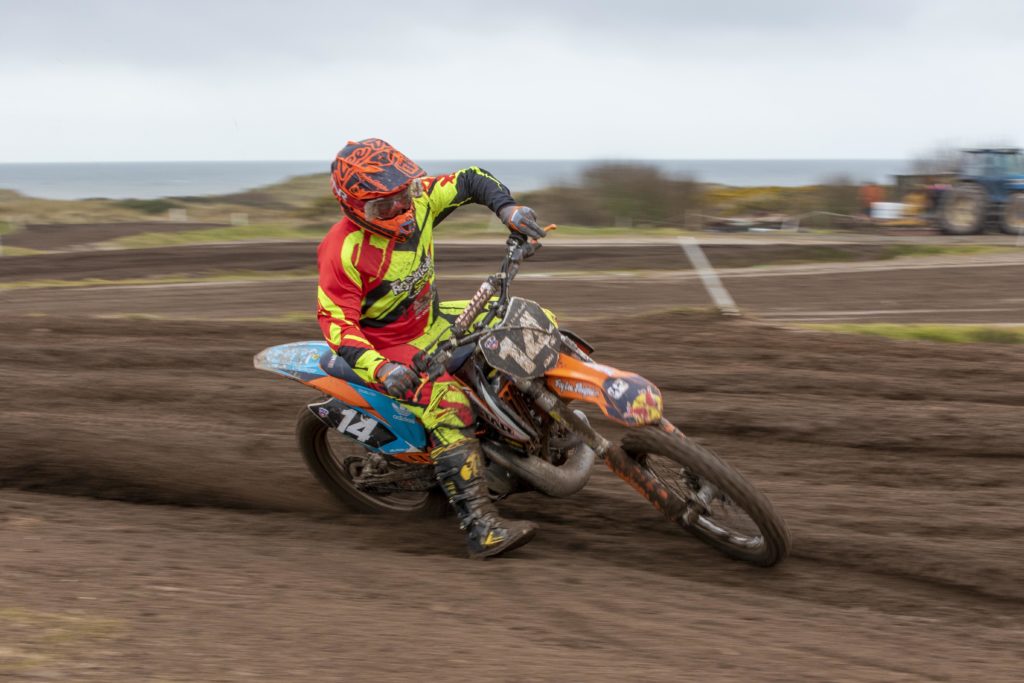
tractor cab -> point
(993, 165)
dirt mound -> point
(896, 465)
(173, 413)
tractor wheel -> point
(1013, 215)
(963, 210)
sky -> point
(136, 80)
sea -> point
(154, 179)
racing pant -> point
(442, 405)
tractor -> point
(987, 188)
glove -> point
(398, 380)
(521, 219)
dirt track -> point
(567, 255)
(159, 525)
(593, 280)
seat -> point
(335, 366)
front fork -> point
(628, 469)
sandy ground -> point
(157, 523)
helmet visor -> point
(392, 205)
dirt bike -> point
(521, 373)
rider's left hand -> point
(521, 219)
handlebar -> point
(519, 247)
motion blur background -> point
(162, 192)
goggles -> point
(385, 208)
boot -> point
(458, 468)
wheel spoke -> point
(346, 460)
(709, 509)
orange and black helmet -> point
(375, 185)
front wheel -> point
(1013, 215)
(336, 460)
(720, 507)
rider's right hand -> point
(399, 380)
(523, 220)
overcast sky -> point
(123, 80)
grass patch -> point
(472, 228)
(20, 251)
(911, 250)
(810, 254)
(945, 333)
(234, 233)
(304, 316)
(219, 276)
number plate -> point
(352, 423)
(525, 345)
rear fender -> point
(375, 420)
(625, 397)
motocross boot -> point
(459, 470)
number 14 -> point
(360, 429)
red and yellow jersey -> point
(376, 293)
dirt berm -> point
(157, 523)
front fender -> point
(625, 397)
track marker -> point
(719, 294)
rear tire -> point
(689, 463)
(332, 457)
(963, 210)
(1012, 222)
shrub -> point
(619, 194)
(152, 206)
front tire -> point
(1013, 215)
(335, 459)
(689, 470)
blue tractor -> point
(988, 188)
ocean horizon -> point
(155, 179)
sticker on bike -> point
(361, 429)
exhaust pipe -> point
(557, 481)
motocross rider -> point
(378, 306)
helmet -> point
(374, 183)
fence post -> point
(719, 294)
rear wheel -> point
(721, 507)
(1013, 215)
(963, 210)
(336, 460)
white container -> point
(886, 211)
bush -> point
(619, 194)
(152, 206)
